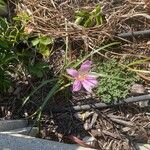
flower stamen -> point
(81, 77)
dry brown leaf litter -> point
(48, 17)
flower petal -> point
(72, 72)
(91, 77)
(93, 82)
(77, 86)
(86, 66)
(87, 85)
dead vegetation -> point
(50, 17)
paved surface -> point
(21, 142)
(31, 131)
(12, 137)
(6, 125)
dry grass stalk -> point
(48, 17)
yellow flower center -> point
(81, 77)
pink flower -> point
(83, 77)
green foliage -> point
(115, 81)
(15, 50)
(3, 8)
(10, 34)
(38, 69)
(6, 59)
(5, 81)
(23, 18)
(9, 37)
(42, 44)
(89, 19)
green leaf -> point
(98, 10)
(5, 82)
(35, 41)
(79, 20)
(46, 40)
(8, 58)
(51, 93)
(2, 2)
(3, 24)
(89, 22)
(45, 52)
(36, 89)
(38, 69)
(82, 13)
(89, 19)
(3, 8)
(99, 20)
(23, 17)
(4, 44)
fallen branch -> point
(123, 122)
(100, 105)
(136, 34)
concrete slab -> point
(22, 142)
(30, 131)
(6, 125)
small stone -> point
(89, 140)
(140, 89)
(83, 116)
(144, 103)
(137, 89)
(148, 43)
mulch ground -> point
(113, 128)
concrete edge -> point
(23, 142)
(30, 131)
(6, 125)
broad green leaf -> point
(46, 40)
(44, 50)
(79, 20)
(38, 69)
(81, 13)
(35, 41)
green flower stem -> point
(53, 91)
(41, 85)
(108, 76)
(140, 71)
(94, 52)
(138, 62)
